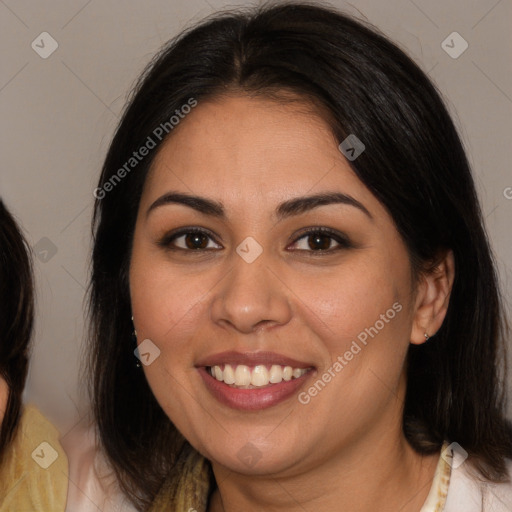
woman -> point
(33, 466)
(287, 229)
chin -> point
(251, 459)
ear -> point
(432, 298)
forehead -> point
(250, 147)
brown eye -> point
(321, 240)
(191, 239)
(195, 241)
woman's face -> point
(253, 290)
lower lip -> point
(252, 399)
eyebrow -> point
(286, 209)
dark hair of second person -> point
(16, 319)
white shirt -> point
(455, 487)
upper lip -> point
(251, 359)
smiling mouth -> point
(254, 377)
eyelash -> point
(344, 243)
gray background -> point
(58, 115)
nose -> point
(251, 297)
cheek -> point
(165, 304)
(361, 318)
(161, 296)
(350, 299)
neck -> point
(396, 479)
(379, 467)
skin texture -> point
(345, 449)
(4, 396)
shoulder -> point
(34, 475)
(469, 493)
(93, 485)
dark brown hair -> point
(16, 319)
(414, 163)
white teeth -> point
(296, 373)
(229, 374)
(276, 374)
(242, 375)
(257, 376)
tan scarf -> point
(189, 491)
(34, 474)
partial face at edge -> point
(306, 297)
(4, 397)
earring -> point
(134, 340)
(427, 337)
